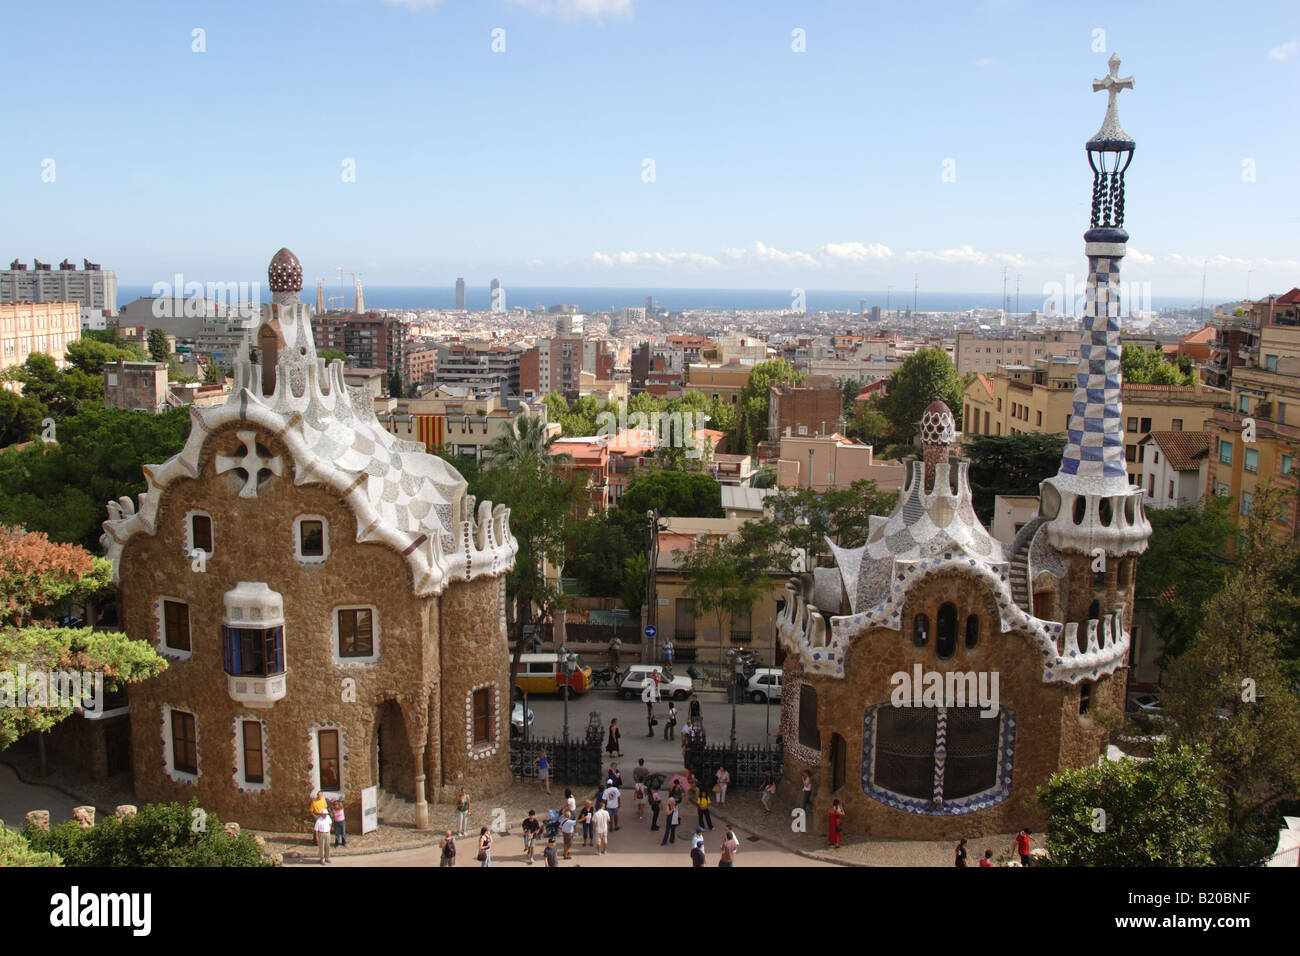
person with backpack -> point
(448, 846)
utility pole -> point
(1017, 293)
(916, 285)
(1006, 305)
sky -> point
(651, 143)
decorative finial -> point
(1111, 133)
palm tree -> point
(525, 440)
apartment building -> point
(981, 352)
(719, 382)
(37, 327)
(827, 462)
(1174, 468)
(452, 418)
(484, 367)
(91, 286)
(368, 339)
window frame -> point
(341, 659)
(191, 543)
(171, 764)
(165, 648)
(244, 777)
(298, 552)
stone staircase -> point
(1020, 564)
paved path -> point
(17, 798)
(633, 845)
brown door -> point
(117, 746)
(839, 761)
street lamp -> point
(738, 672)
(567, 660)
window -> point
(1221, 490)
(972, 630)
(176, 625)
(901, 752)
(483, 722)
(904, 750)
(1130, 452)
(1286, 464)
(1251, 462)
(356, 632)
(1270, 363)
(920, 630)
(1085, 697)
(1156, 456)
(1243, 403)
(253, 651)
(945, 631)
(1247, 502)
(999, 404)
(1133, 424)
(1040, 418)
(1225, 452)
(311, 539)
(201, 532)
(327, 753)
(252, 734)
(1176, 425)
(185, 747)
(1171, 491)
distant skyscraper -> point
(92, 286)
(320, 295)
(361, 301)
(649, 305)
(497, 297)
(875, 313)
(460, 294)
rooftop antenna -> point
(1204, 270)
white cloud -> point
(671, 258)
(757, 252)
(965, 255)
(1222, 262)
(855, 251)
(1285, 51)
(573, 9)
(1140, 257)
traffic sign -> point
(651, 630)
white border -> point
(297, 540)
(237, 735)
(313, 752)
(169, 766)
(481, 753)
(339, 659)
(160, 629)
(187, 535)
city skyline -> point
(656, 145)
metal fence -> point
(576, 762)
(745, 763)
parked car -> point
(517, 719)
(677, 686)
(1144, 704)
(765, 685)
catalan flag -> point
(431, 430)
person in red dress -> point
(836, 827)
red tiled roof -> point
(1183, 449)
(1204, 335)
(1290, 298)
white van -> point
(679, 687)
(765, 685)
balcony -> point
(260, 693)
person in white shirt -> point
(322, 828)
(601, 821)
(723, 779)
(612, 797)
(566, 828)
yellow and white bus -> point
(542, 674)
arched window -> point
(1094, 610)
(945, 631)
(972, 631)
(920, 630)
(1105, 511)
(1080, 509)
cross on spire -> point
(1112, 83)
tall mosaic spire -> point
(1100, 508)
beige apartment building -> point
(463, 424)
(722, 382)
(1026, 400)
(826, 462)
(45, 327)
(974, 352)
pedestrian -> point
(612, 797)
(694, 711)
(987, 859)
(1023, 841)
(656, 804)
(614, 745)
(767, 791)
(322, 828)
(640, 773)
(613, 778)
(585, 817)
(676, 792)
(530, 826)
(614, 646)
(670, 725)
(729, 847)
(639, 792)
(961, 852)
(448, 855)
(462, 811)
(484, 847)
(319, 805)
(668, 654)
(566, 830)
(648, 697)
(697, 847)
(549, 853)
(570, 802)
(702, 807)
(807, 792)
(600, 821)
(723, 781)
(835, 826)
(340, 825)
(543, 772)
(671, 819)
(687, 733)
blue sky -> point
(772, 168)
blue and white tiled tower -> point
(1089, 503)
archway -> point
(395, 766)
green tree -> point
(332, 355)
(674, 494)
(722, 583)
(870, 425)
(159, 350)
(597, 556)
(212, 372)
(1162, 812)
(90, 355)
(634, 583)
(755, 398)
(1009, 465)
(16, 851)
(20, 417)
(1230, 691)
(524, 441)
(1141, 366)
(926, 375)
(63, 393)
(395, 385)
(61, 489)
(1181, 570)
